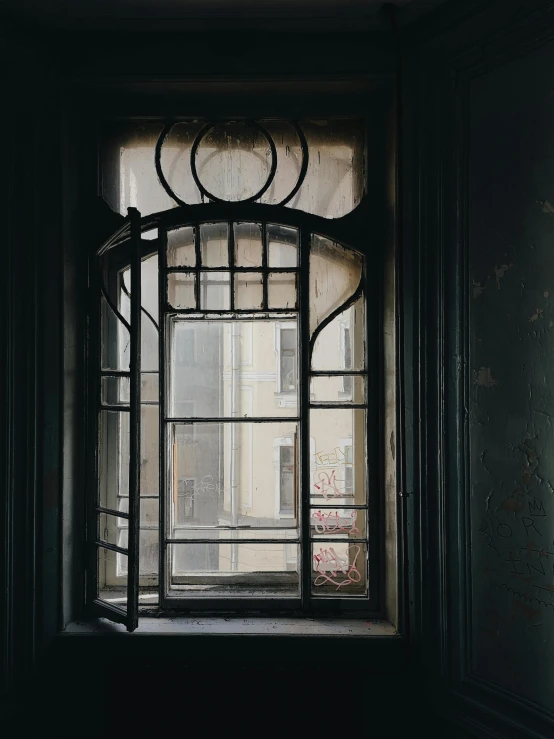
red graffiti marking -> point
(330, 522)
(337, 570)
(328, 485)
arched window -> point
(231, 395)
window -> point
(231, 349)
(288, 360)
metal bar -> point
(111, 512)
(265, 270)
(146, 313)
(198, 254)
(233, 541)
(106, 407)
(231, 259)
(324, 539)
(162, 298)
(213, 312)
(112, 305)
(305, 160)
(358, 292)
(236, 419)
(349, 231)
(337, 373)
(184, 527)
(304, 369)
(114, 373)
(344, 406)
(112, 548)
(345, 506)
(134, 421)
(264, 265)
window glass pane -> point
(227, 474)
(282, 243)
(335, 274)
(115, 390)
(113, 458)
(181, 251)
(281, 290)
(338, 389)
(149, 510)
(214, 291)
(334, 183)
(229, 368)
(112, 577)
(329, 347)
(338, 463)
(149, 304)
(148, 556)
(181, 290)
(248, 290)
(338, 523)
(248, 245)
(234, 570)
(339, 569)
(149, 389)
(115, 340)
(233, 163)
(149, 446)
(214, 244)
(109, 528)
(287, 481)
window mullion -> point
(162, 306)
(303, 377)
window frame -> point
(353, 604)
(362, 222)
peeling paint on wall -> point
(483, 376)
(511, 407)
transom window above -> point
(231, 411)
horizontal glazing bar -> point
(233, 541)
(111, 547)
(111, 512)
(237, 419)
(124, 408)
(231, 528)
(248, 315)
(323, 541)
(114, 373)
(334, 373)
(171, 270)
(222, 313)
(334, 406)
(353, 506)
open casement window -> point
(210, 491)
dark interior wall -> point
(511, 243)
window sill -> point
(237, 626)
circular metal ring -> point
(305, 160)
(158, 162)
(270, 177)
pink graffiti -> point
(341, 572)
(330, 522)
(327, 485)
